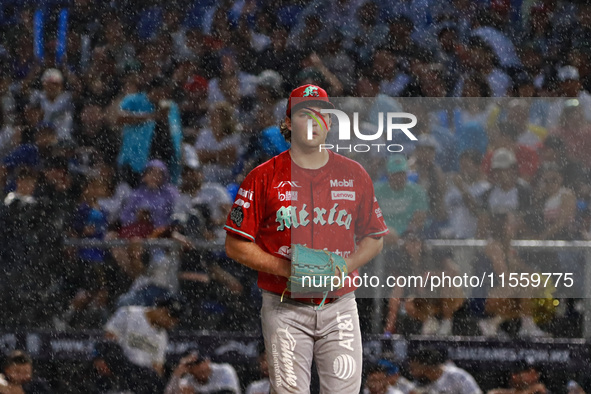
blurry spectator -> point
(94, 133)
(539, 31)
(523, 378)
(151, 129)
(17, 369)
(430, 371)
(431, 130)
(533, 63)
(384, 69)
(280, 56)
(100, 81)
(570, 87)
(395, 378)
(580, 60)
(519, 117)
(448, 54)
(416, 259)
(232, 85)
(481, 58)
(56, 103)
(404, 204)
(553, 150)
(142, 331)
(524, 157)
(148, 208)
(261, 386)
(192, 90)
(463, 197)
(156, 195)
(431, 81)
(500, 257)
(315, 71)
(509, 193)
(575, 130)
(116, 46)
(28, 250)
(88, 308)
(338, 61)
(269, 94)
(196, 374)
(8, 101)
(305, 33)
(377, 381)
(199, 50)
(365, 33)
(220, 145)
(399, 35)
(470, 119)
(116, 190)
(557, 205)
(112, 372)
(499, 43)
(432, 179)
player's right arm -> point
(242, 226)
(251, 255)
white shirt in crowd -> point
(262, 386)
(462, 223)
(454, 380)
(213, 172)
(143, 344)
(59, 112)
(223, 377)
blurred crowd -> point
(134, 120)
(427, 370)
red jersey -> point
(331, 208)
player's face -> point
(299, 127)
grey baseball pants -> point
(296, 333)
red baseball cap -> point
(307, 95)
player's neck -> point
(311, 159)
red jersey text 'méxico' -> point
(280, 204)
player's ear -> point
(288, 122)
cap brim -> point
(310, 103)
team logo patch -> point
(344, 366)
(311, 91)
(342, 195)
(237, 216)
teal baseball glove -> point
(312, 270)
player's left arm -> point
(367, 249)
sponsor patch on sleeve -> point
(237, 216)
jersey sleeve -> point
(247, 210)
(370, 221)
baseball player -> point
(322, 205)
